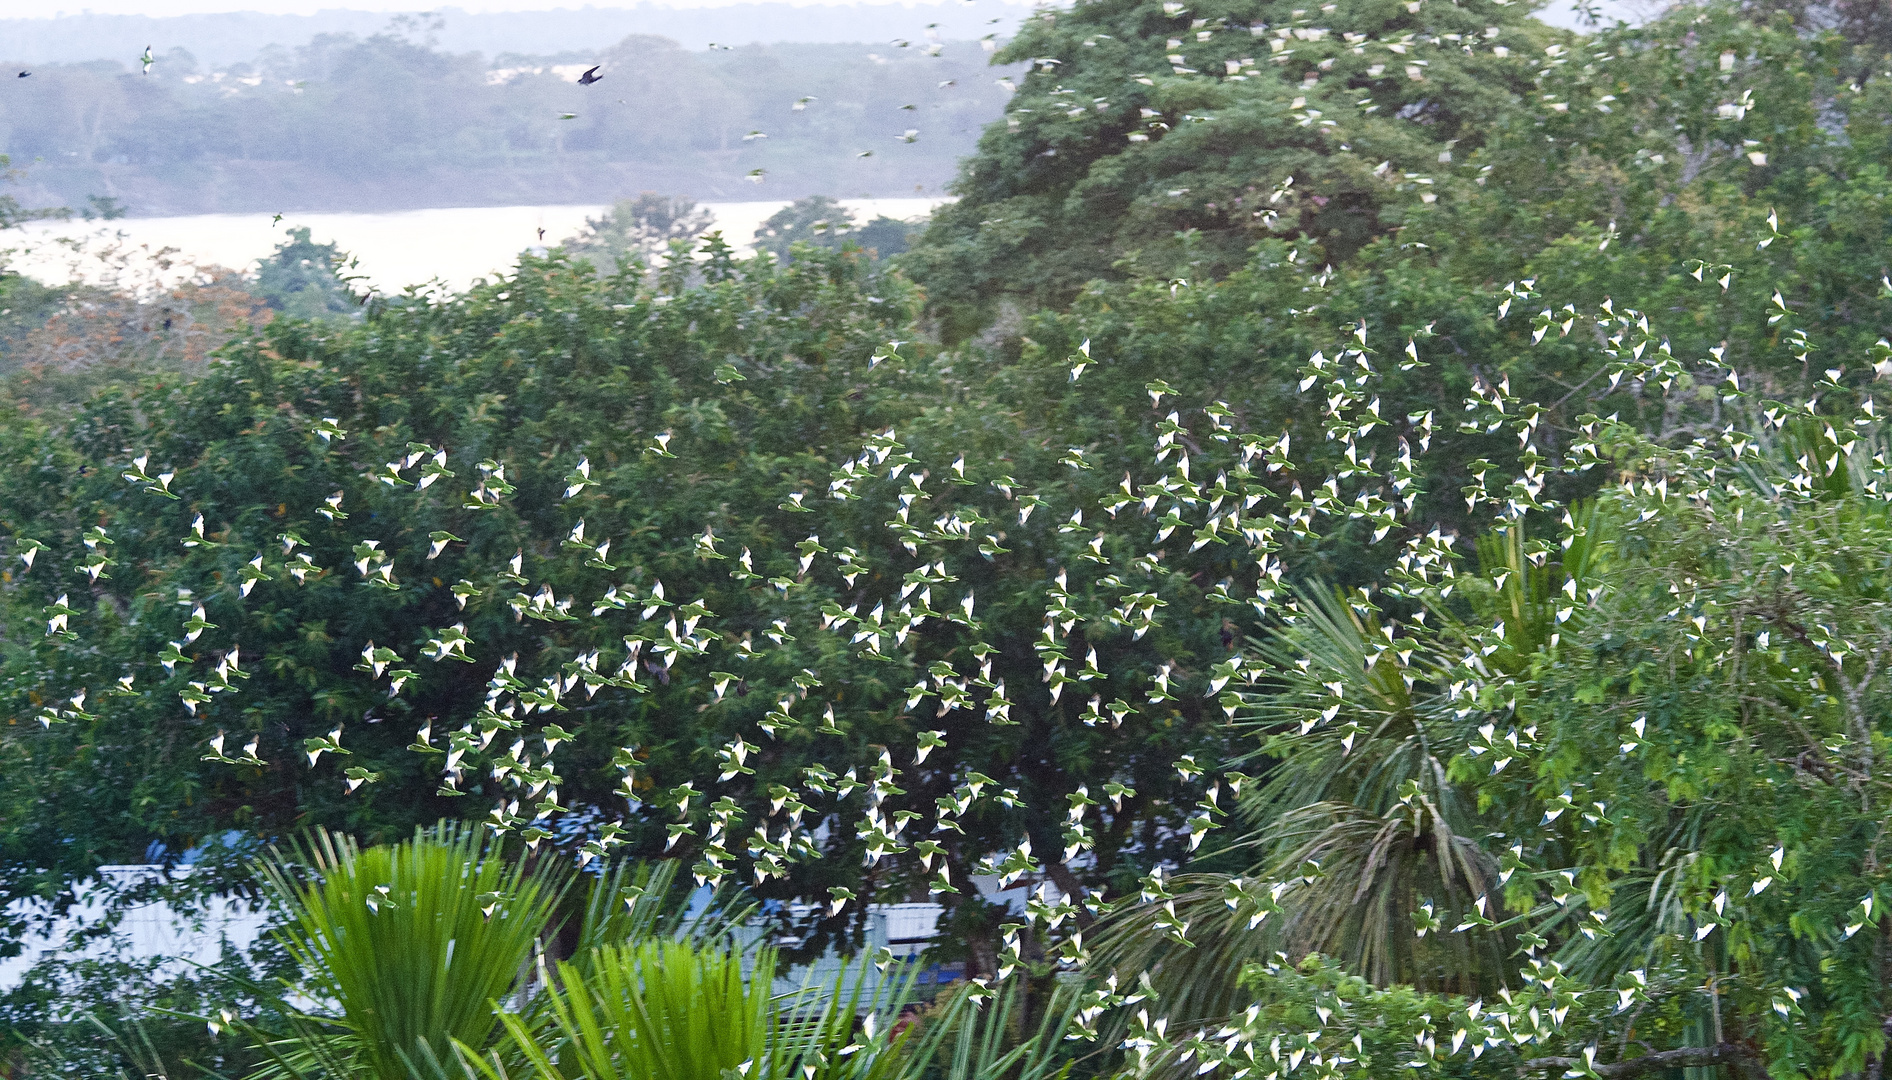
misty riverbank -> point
(453, 245)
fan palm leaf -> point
(1358, 815)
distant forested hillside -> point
(229, 37)
(394, 121)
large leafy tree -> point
(1394, 782)
(1713, 723)
(1168, 138)
(670, 520)
(1486, 281)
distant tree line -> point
(225, 37)
(391, 121)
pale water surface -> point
(453, 245)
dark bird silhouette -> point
(590, 76)
(22, 74)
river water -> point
(451, 245)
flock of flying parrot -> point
(1241, 507)
(1205, 482)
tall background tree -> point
(1165, 139)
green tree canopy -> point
(825, 223)
(304, 279)
(638, 230)
(729, 472)
(1168, 138)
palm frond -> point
(410, 944)
(659, 1010)
(677, 1009)
(1365, 877)
(1357, 819)
(638, 901)
(1349, 714)
(995, 1041)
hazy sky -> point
(309, 7)
(1556, 11)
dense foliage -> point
(305, 279)
(1458, 650)
(497, 377)
(1163, 139)
(825, 223)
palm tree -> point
(404, 947)
(681, 1009)
(657, 1010)
(427, 960)
(1377, 853)
(1360, 821)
